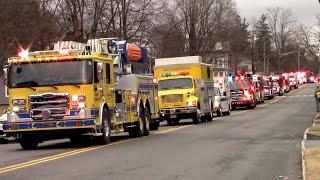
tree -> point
(239, 41)
(282, 24)
(309, 39)
(263, 41)
(24, 24)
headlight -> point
(78, 102)
(19, 105)
(15, 109)
(191, 103)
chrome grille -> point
(236, 94)
(56, 103)
(173, 98)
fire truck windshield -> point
(239, 84)
(50, 73)
(181, 83)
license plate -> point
(173, 116)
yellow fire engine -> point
(77, 91)
(185, 89)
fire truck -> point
(243, 93)
(79, 91)
(185, 89)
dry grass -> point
(317, 117)
(2, 108)
(315, 129)
(312, 162)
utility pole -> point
(292, 52)
(264, 57)
(298, 60)
(252, 55)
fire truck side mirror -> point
(5, 76)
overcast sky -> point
(304, 10)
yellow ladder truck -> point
(78, 91)
(185, 89)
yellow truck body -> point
(185, 89)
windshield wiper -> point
(27, 84)
(78, 86)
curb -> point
(302, 160)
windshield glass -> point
(276, 84)
(266, 83)
(238, 84)
(50, 73)
(182, 83)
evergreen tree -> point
(263, 41)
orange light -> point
(184, 73)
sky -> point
(304, 10)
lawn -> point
(315, 128)
(312, 163)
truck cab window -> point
(108, 74)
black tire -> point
(4, 141)
(169, 122)
(105, 128)
(228, 113)
(209, 117)
(28, 142)
(195, 119)
(176, 121)
(219, 112)
(138, 131)
(154, 126)
(147, 122)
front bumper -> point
(242, 103)
(9, 127)
(177, 112)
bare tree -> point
(24, 24)
(282, 24)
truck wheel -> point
(176, 121)
(105, 128)
(138, 131)
(154, 126)
(209, 117)
(28, 142)
(169, 122)
(228, 112)
(195, 119)
(147, 122)
(219, 112)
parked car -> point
(268, 88)
(3, 139)
(293, 81)
(222, 104)
(277, 89)
(259, 91)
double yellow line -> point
(74, 152)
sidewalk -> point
(311, 151)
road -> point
(258, 144)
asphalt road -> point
(258, 144)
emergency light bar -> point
(182, 73)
